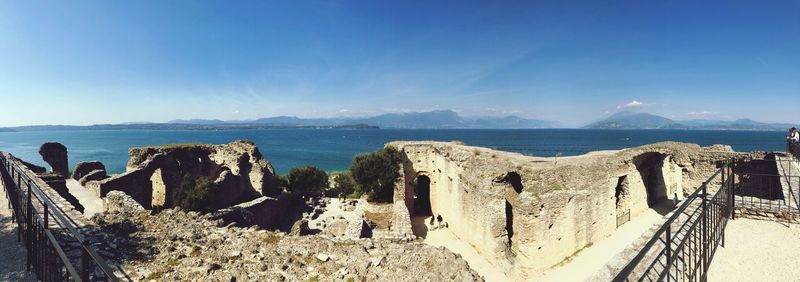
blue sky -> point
(85, 62)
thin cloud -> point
(631, 105)
(702, 113)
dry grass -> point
(380, 219)
(476, 152)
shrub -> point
(307, 181)
(194, 193)
(376, 173)
(282, 180)
(344, 184)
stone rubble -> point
(174, 245)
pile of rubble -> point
(178, 245)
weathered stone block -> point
(84, 168)
(55, 155)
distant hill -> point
(631, 120)
(416, 120)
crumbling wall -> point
(555, 208)
(239, 171)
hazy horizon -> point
(94, 62)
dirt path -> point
(12, 253)
(757, 250)
(444, 238)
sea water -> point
(333, 149)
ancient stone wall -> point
(265, 212)
(238, 171)
(527, 214)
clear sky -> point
(85, 62)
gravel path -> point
(12, 253)
(757, 250)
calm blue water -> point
(332, 149)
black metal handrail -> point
(674, 255)
(45, 254)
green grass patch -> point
(572, 256)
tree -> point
(376, 173)
(193, 194)
(307, 181)
(344, 184)
(282, 180)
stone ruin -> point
(527, 214)
(154, 173)
(89, 171)
(55, 155)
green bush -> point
(282, 180)
(194, 193)
(376, 173)
(308, 180)
(344, 185)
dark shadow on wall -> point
(650, 167)
(422, 197)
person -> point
(793, 140)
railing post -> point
(669, 250)
(29, 226)
(85, 263)
(46, 213)
(733, 189)
(723, 188)
(704, 233)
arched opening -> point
(650, 167)
(422, 197)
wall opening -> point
(621, 195)
(621, 191)
(513, 179)
(422, 197)
(650, 167)
(509, 223)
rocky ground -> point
(177, 245)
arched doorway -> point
(422, 197)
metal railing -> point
(683, 247)
(44, 228)
(767, 185)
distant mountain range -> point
(422, 120)
(416, 120)
(631, 120)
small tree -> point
(344, 184)
(308, 180)
(376, 173)
(193, 194)
(282, 180)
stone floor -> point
(91, 203)
(12, 253)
